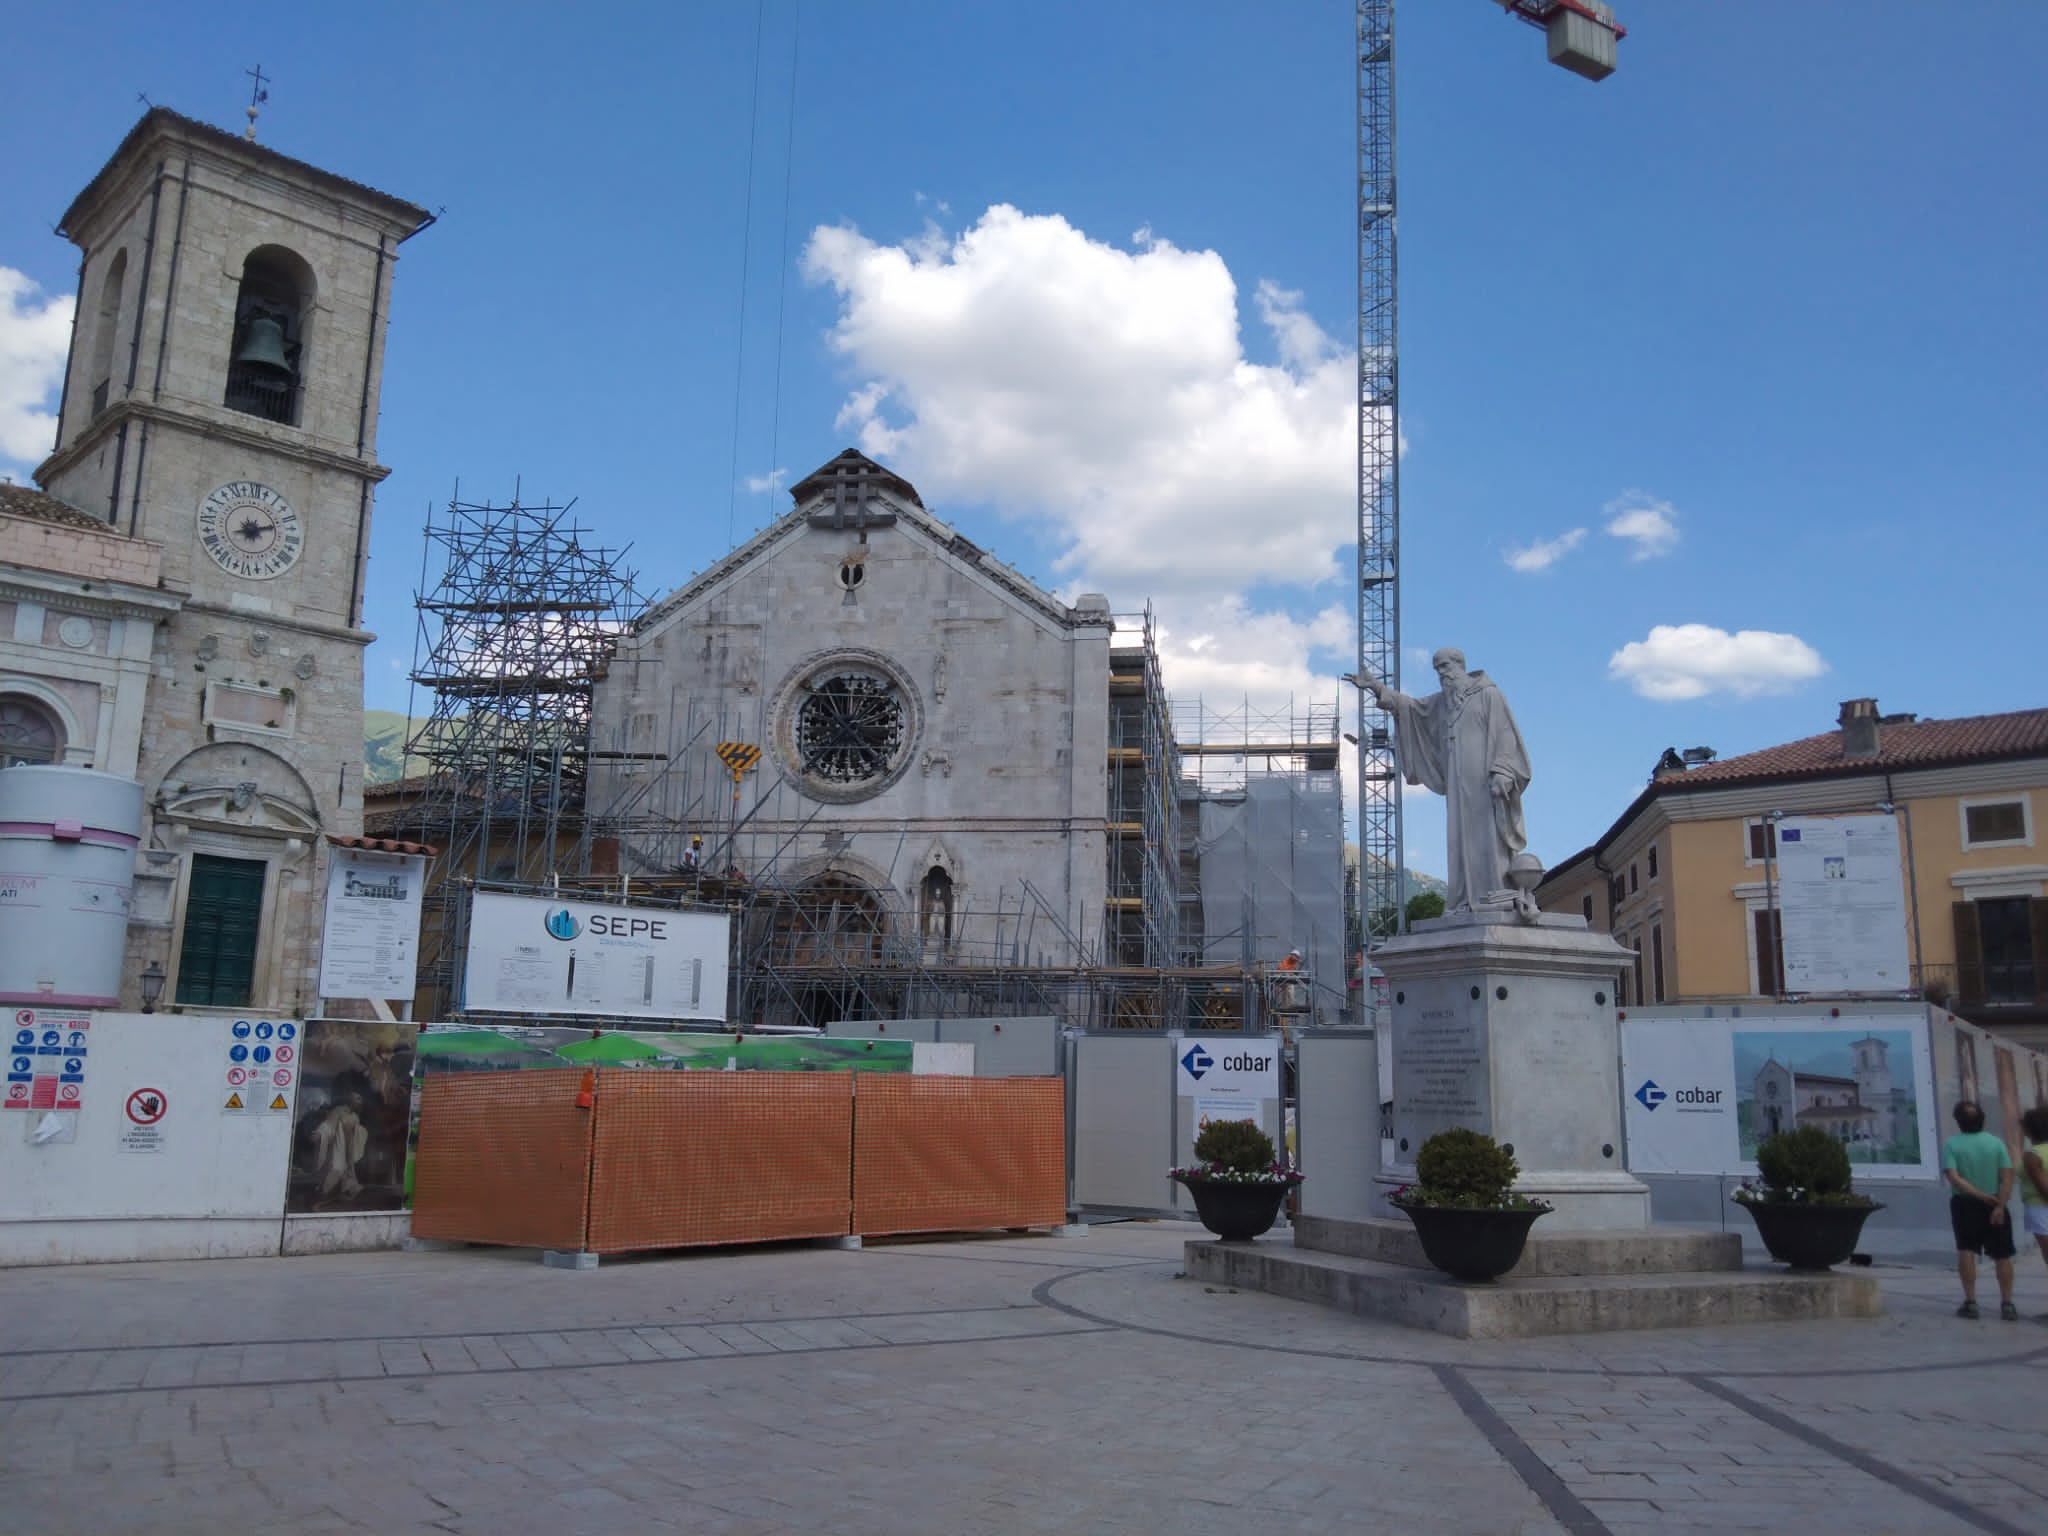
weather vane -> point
(257, 96)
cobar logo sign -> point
(1697, 1101)
(1248, 1071)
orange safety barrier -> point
(686, 1158)
(954, 1154)
(504, 1157)
(626, 1159)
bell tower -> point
(221, 402)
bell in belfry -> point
(263, 346)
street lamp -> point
(152, 986)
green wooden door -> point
(223, 915)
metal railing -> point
(1985, 984)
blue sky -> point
(1768, 302)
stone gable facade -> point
(926, 719)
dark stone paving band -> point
(1532, 1469)
(540, 1369)
(1042, 1292)
(1884, 1472)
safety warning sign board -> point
(259, 1054)
(142, 1125)
(46, 1057)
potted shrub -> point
(1236, 1180)
(1471, 1222)
(1805, 1210)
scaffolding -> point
(1142, 924)
(509, 645)
(1266, 838)
(527, 793)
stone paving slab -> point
(997, 1386)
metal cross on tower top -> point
(257, 96)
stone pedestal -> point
(1509, 1028)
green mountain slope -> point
(385, 734)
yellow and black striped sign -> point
(740, 757)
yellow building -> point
(1681, 876)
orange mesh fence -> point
(684, 1158)
(956, 1154)
(504, 1157)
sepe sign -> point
(546, 956)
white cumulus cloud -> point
(35, 335)
(1648, 523)
(1544, 553)
(1106, 392)
(768, 484)
(1689, 661)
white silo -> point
(67, 880)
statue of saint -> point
(1463, 743)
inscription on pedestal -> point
(1446, 1061)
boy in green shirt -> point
(1979, 1169)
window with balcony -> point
(2002, 951)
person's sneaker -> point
(2008, 1311)
(1967, 1309)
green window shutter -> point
(1969, 955)
(2037, 914)
(223, 919)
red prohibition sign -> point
(146, 1106)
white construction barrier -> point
(159, 1155)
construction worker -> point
(694, 854)
(1290, 991)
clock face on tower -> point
(250, 530)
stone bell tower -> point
(221, 402)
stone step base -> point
(1513, 1309)
(1650, 1251)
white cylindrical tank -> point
(67, 879)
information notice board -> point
(1842, 895)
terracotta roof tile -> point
(382, 845)
(1920, 744)
(27, 501)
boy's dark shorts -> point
(1975, 1232)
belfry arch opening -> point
(267, 354)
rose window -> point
(849, 728)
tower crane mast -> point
(1581, 35)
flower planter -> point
(1472, 1245)
(1809, 1236)
(1236, 1212)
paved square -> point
(969, 1386)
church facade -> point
(181, 602)
(864, 708)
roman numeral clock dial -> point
(248, 530)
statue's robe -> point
(1456, 744)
